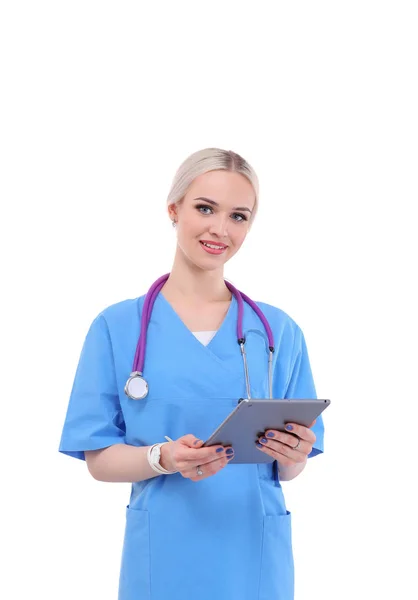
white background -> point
(101, 101)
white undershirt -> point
(204, 337)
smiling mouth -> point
(213, 248)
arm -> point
(120, 463)
(124, 463)
(280, 445)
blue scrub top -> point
(226, 537)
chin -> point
(208, 266)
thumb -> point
(191, 441)
(312, 424)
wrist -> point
(165, 461)
(289, 472)
(154, 459)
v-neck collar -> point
(223, 326)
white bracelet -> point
(158, 468)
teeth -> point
(213, 246)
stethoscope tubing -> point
(139, 359)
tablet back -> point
(250, 419)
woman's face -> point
(213, 218)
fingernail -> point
(196, 442)
(220, 450)
(258, 445)
(289, 427)
(270, 434)
(263, 441)
(230, 456)
(230, 451)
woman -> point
(196, 525)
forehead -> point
(224, 187)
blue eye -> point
(240, 217)
(204, 207)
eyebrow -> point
(243, 208)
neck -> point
(187, 280)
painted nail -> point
(259, 445)
(230, 451)
(289, 427)
(263, 441)
(220, 449)
(270, 434)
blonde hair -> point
(210, 159)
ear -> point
(172, 212)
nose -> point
(219, 226)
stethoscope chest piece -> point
(136, 387)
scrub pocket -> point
(277, 567)
(135, 578)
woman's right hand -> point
(186, 454)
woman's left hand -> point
(288, 448)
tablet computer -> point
(250, 419)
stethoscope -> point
(136, 387)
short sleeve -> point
(94, 417)
(301, 385)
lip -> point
(220, 250)
(223, 246)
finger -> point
(286, 438)
(191, 458)
(304, 433)
(187, 452)
(219, 454)
(208, 469)
(277, 450)
(191, 441)
(277, 445)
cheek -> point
(238, 236)
(187, 231)
(189, 224)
